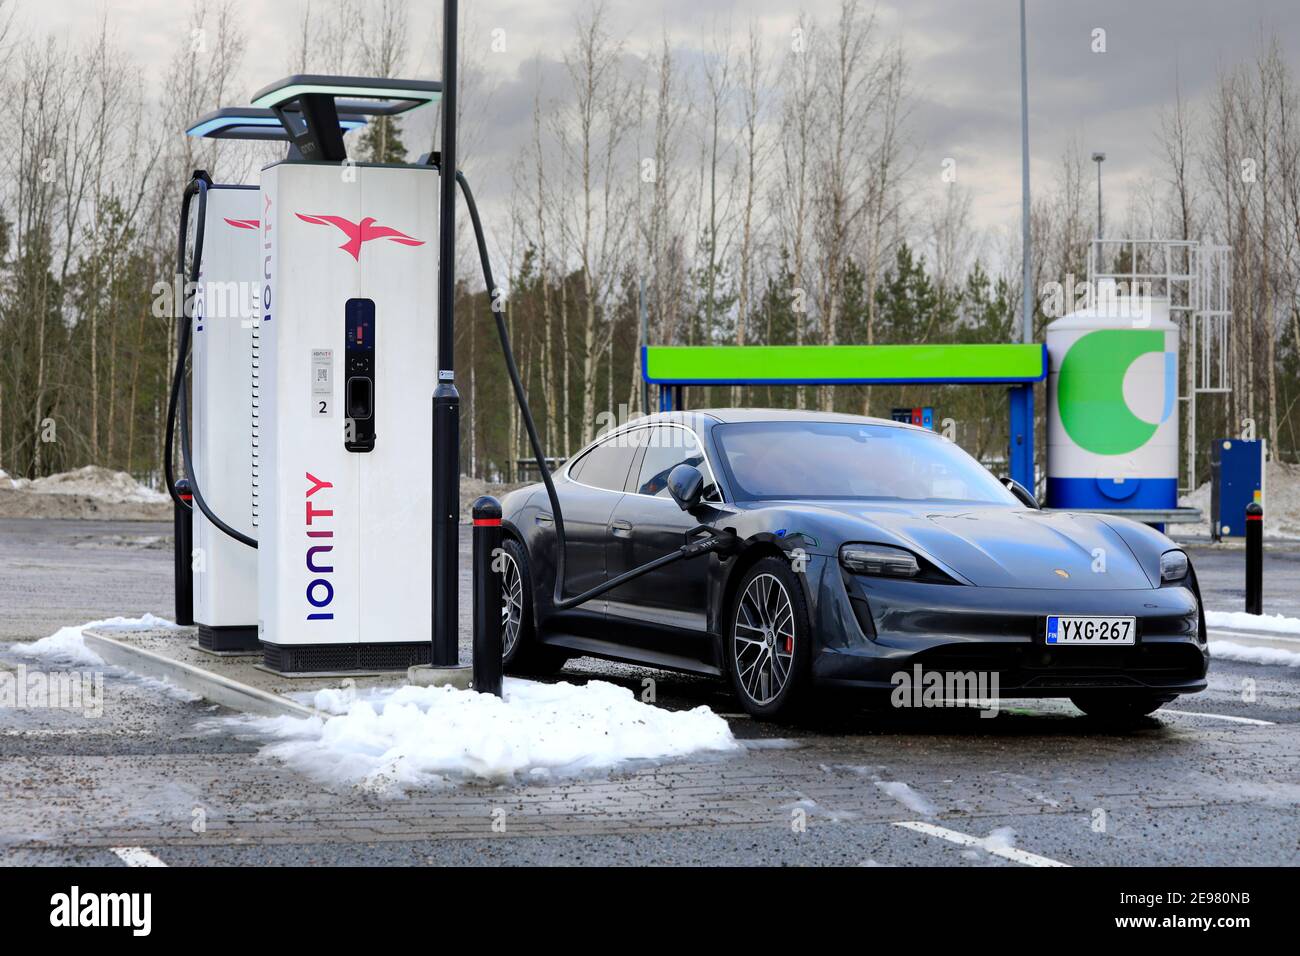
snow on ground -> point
(908, 797)
(1001, 838)
(90, 492)
(67, 645)
(1281, 503)
(93, 481)
(1241, 621)
(101, 493)
(1248, 654)
(390, 740)
(1231, 651)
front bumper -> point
(872, 628)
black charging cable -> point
(701, 540)
(178, 401)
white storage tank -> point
(1112, 414)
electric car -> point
(857, 550)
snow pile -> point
(68, 644)
(390, 740)
(1230, 651)
(472, 488)
(1281, 503)
(93, 481)
(1240, 620)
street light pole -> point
(1020, 452)
(1027, 303)
(1099, 158)
(446, 400)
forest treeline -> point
(743, 189)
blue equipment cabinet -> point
(1236, 479)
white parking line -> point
(1236, 720)
(962, 839)
(136, 856)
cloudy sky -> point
(963, 56)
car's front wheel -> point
(767, 641)
(1119, 707)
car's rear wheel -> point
(521, 652)
(1119, 707)
(767, 641)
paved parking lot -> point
(1213, 780)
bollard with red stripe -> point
(487, 596)
(1254, 558)
(183, 533)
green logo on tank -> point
(1090, 390)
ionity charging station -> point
(224, 331)
(347, 471)
(342, 366)
(225, 570)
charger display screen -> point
(360, 325)
(359, 368)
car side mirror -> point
(686, 485)
(1025, 496)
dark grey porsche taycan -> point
(859, 550)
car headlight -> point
(1173, 566)
(879, 559)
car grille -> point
(1036, 666)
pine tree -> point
(382, 141)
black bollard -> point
(1254, 558)
(487, 596)
(183, 531)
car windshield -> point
(802, 460)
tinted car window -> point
(802, 460)
(606, 465)
(667, 448)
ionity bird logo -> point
(361, 232)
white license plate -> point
(1105, 631)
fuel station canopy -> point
(991, 364)
(1015, 364)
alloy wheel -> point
(512, 603)
(763, 638)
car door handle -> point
(621, 529)
(544, 518)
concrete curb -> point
(213, 687)
(426, 675)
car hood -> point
(998, 546)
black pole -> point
(446, 400)
(645, 341)
(1254, 558)
(183, 534)
(487, 596)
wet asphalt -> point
(1213, 779)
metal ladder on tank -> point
(1196, 277)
